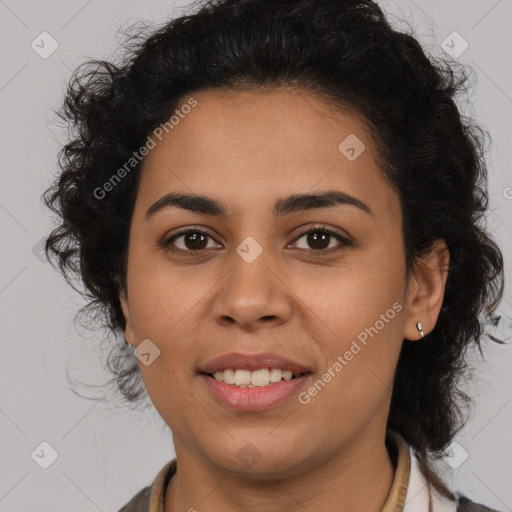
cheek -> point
(160, 296)
(355, 385)
(351, 297)
(359, 309)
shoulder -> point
(151, 498)
(466, 505)
(420, 493)
(139, 503)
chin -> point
(259, 459)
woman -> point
(278, 204)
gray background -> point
(107, 453)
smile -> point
(252, 397)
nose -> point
(253, 295)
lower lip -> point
(254, 399)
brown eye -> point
(191, 240)
(318, 240)
(322, 240)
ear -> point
(128, 331)
(426, 286)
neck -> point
(357, 478)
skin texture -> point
(249, 149)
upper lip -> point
(252, 362)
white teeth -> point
(260, 377)
(229, 376)
(276, 375)
(242, 377)
(255, 379)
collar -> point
(410, 491)
(421, 496)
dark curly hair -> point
(347, 53)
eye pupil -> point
(318, 237)
(194, 237)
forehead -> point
(250, 145)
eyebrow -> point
(284, 206)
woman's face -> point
(253, 283)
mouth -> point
(246, 390)
(251, 382)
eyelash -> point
(344, 242)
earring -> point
(420, 329)
(131, 346)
